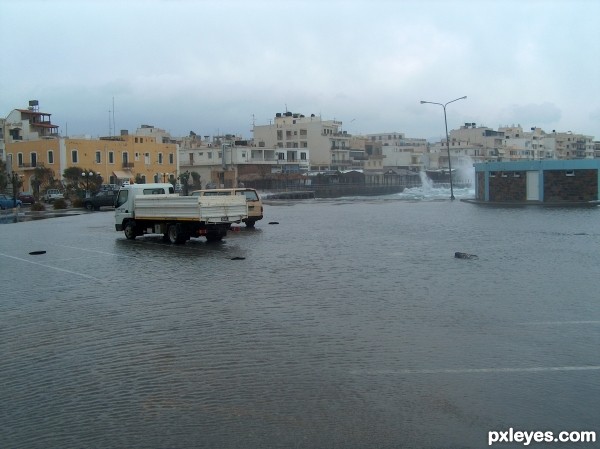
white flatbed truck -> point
(155, 209)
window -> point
(50, 157)
(98, 157)
(122, 198)
(250, 195)
(171, 158)
(74, 156)
(33, 158)
(155, 191)
(137, 156)
(303, 156)
(111, 157)
(125, 157)
(147, 158)
(160, 158)
(209, 154)
(20, 159)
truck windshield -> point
(122, 198)
(250, 195)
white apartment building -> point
(573, 146)
(239, 158)
(537, 144)
(29, 124)
(399, 151)
(329, 146)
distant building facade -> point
(32, 141)
(328, 144)
(228, 161)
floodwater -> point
(349, 324)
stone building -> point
(538, 182)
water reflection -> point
(349, 324)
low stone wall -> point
(480, 194)
(508, 186)
(570, 185)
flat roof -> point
(551, 164)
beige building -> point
(328, 144)
(229, 160)
(31, 141)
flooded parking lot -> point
(348, 324)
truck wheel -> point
(89, 206)
(214, 237)
(129, 230)
(250, 223)
(176, 235)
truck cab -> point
(124, 202)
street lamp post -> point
(16, 184)
(87, 177)
(443, 105)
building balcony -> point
(27, 166)
(127, 165)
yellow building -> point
(31, 141)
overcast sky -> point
(218, 66)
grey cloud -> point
(535, 114)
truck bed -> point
(210, 209)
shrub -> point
(60, 204)
(77, 202)
(36, 207)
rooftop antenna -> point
(113, 117)
(111, 120)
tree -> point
(42, 179)
(184, 179)
(3, 175)
(16, 182)
(76, 180)
(196, 183)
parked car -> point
(8, 202)
(52, 194)
(26, 197)
(101, 199)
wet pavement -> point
(348, 324)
